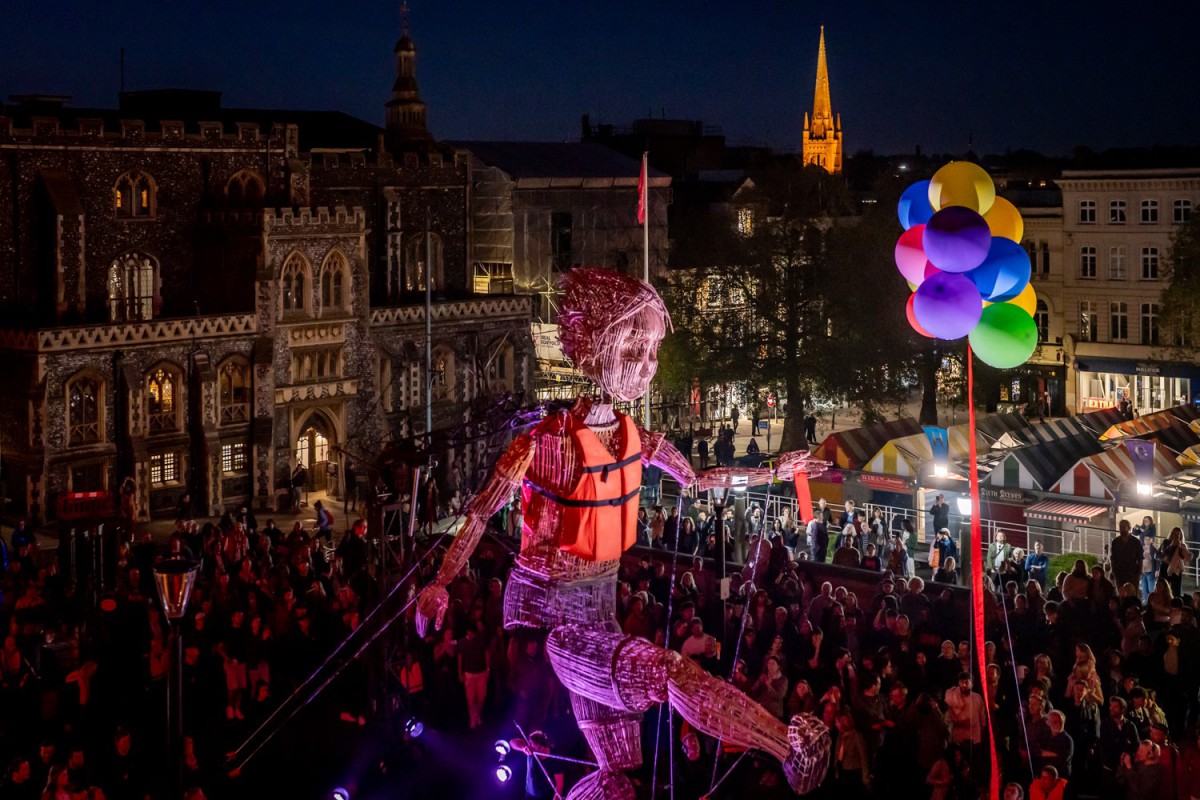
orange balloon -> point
(1004, 220)
(912, 318)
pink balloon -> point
(947, 305)
(910, 255)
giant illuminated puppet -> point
(579, 473)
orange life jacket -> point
(599, 516)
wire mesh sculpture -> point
(579, 474)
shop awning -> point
(851, 449)
(1065, 511)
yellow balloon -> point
(912, 287)
(1004, 220)
(1026, 300)
(961, 183)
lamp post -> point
(718, 495)
(174, 579)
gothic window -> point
(442, 377)
(745, 218)
(162, 399)
(500, 368)
(164, 469)
(233, 458)
(294, 284)
(85, 419)
(493, 278)
(135, 196)
(132, 288)
(245, 190)
(234, 381)
(386, 389)
(333, 281)
(415, 268)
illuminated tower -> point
(822, 134)
(405, 109)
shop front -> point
(1025, 386)
(1148, 385)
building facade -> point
(1099, 268)
(198, 298)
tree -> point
(788, 289)
(1181, 298)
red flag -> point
(642, 193)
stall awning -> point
(1065, 511)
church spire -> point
(822, 144)
(822, 107)
(404, 110)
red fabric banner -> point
(804, 506)
(642, 197)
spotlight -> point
(414, 727)
(503, 748)
(503, 773)
(340, 794)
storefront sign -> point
(1010, 496)
(1148, 369)
(1097, 402)
(885, 483)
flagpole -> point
(646, 259)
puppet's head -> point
(610, 325)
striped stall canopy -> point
(1065, 511)
(1043, 432)
(1179, 438)
(905, 456)
(1101, 475)
(1100, 420)
(1038, 466)
(853, 448)
(997, 427)
(1151, 423)
(1183, 486)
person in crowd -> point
(1126, 557)
(1173, 557)
(1037, 565)
(1048, 785)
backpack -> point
(328, 519)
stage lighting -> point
(503, 748)
(503, 773)
(340, 794)
(414, 727)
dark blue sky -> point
(1042, 75)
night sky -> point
(1046, 76)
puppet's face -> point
(627, 358)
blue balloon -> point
(1004, 273)
(914, 207)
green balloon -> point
(1005, 337)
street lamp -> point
(174, 579)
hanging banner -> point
(1141, 453)
(939, 442)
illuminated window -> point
(311, 448)
(132, 287)
(1087, 212)
(164, 469)
(745, 222)
(1149, 212)
(442, 377)
(415, 255)
(493, 278)
(234, 379)
(1118, 322)
(1149, 323)
(1149, 263)
(293, 283)
(84, 422)
(1116, 212)
(1182, 211)
(1088, 321)
(134, 196)
(1116, 262)
(161, 388)
(1087, 262)
(233, 458)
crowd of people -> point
(1091, 674)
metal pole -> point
(646, 268)
(428, 332)
(175, 710)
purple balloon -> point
(956, 239)
(947, 305)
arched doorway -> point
(312, 450)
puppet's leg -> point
(628, 673)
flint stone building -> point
(196, 297)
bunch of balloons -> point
(961, 255)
